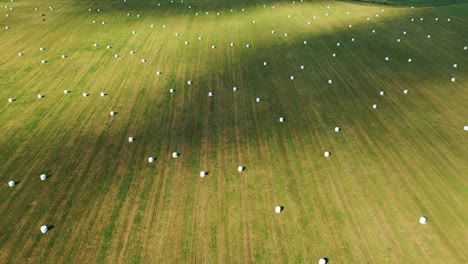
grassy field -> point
(416, 3)
(105, 203)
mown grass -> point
(388, 166)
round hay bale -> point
(210, 94)
(43, 177)
(44, 229)
(273, 32)
(323, 261)
(11, 100)
(64, 56)
(112, 113)
(302, 67)
(171, 90)
(326, 154)
(186, 42)
(66, 91)
(189, 82)
(423, 220)
(455, 65)
(213, 46)
(240, 168)
(43, 61)
(234, 88)
(203, 174)
(265, 63)
(305, 42)
(465, 128)
(405, 91)
(85, 94)
(39, 96)
(410, 60)
(175, 155)
(382, 93)
(11, 183)
(20, 54)
(132, 52)
(278, 209)
(281, 119)
(292, 77)
(116, 55)
(337, 129)
(257, 100)
(452, 80)
(131, 139)
(103, 94)
(338, 44)
(375, 106)
(143, 60)
(158, 73)
(334, 55)
(387, 58)
(330, 81)
(151, 159)
(398, 40)
(247, 46)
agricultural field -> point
(353, 179)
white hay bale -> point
(326, 14)
(247, 46)
(377, 15)
(352, 39)
(128, 14)
(186, 42)
(189, 82)
(151, 159)
(273, 32)
(130, 139)
(455, 65)
(43, 177)
(398, 40)
(133, 32)
(85, 94)
(387, 58)
(41, 49)
(465, 48)
(108, 47)
(112, 113)
(330, 81)
(453, 79)
(200, 38)
(334, 55)
(254, 21)
(448, 19)
(232, 44)
(240, 168)
(338, 44)
(465, 128)
(20, 54)
(11, 100)
(103, 94)
(7, 27)
(405, 91)
(326, 154)
(39, 96)
(158, 73)
(368, 18)
(302, 67)
(116, 55)
(257, 99)
(175, 155)
(410, 60)
(94, 21)
(44, 229)
(337, 129)
(103, 22)
(382, 93)
(305, 42)
(211, 94)
(234, 88)
(66, 91)
(203, 173)
(278, 209)
(95, 44)
(164, 26)
(281, 119)
(404, 32)
(292, 77)
(43, 61)
(323, 261)
(436, 19)
(132, 52)
(375, 106)
(176, 34)
(285, 34)
(421, 19)
(423, 220)
(152, 26)
(412, 20)
(11, 183)
(373, 31)
(143, 60)
(308, 23)
(265, 63)
(213, 46)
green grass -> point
(416, 3)
(107, 204)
